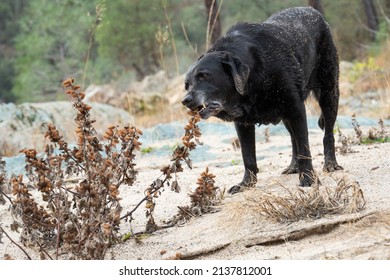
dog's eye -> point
(202, 76)
(186, 85)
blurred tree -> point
(128, 34)
(316, 4)
(386, 8)
(372, 17)
(52, 45)
(10, 12)
(214, 20)
(42, 41)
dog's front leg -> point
(246, 135)
(298, 130)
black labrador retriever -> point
(261, 74)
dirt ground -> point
(239, 232)
(236, 230)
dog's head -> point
(214, 85)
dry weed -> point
(169, 172)
(81, 220)
(236, 143)
(346, 143)
(375, 135)
(315, 202)
(379, 135)
(204, 199)
(3, 182)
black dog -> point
(261, 74)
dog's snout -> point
(187, 99)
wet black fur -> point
(262, 73)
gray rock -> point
(23, 126)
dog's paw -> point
(236, 189)
(332, 166)
(291, 169)
(242, 186)
(248, 181)
(306, 180)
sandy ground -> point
(237, 231)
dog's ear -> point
(238, 70)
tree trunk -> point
(316, 4)
(386, 8)
(372, 17)
(214, 21)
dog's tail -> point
(321, 122)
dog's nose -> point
(187, 100)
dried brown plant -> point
(356, 127)
(267, 135)
(204, 199)
(346, 143)
(379, 135)
(236, 143)
(80, 220)
(315, 202)
(375, 135)
(3, 182)
(76, 211)
(206, 193)
(169, 172)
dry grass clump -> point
(315, 202)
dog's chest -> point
(265, 115)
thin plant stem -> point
(20, 247)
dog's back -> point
(299, 18)
(297, 32)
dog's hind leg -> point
(293, 167)
(327, 120)
(327, 94)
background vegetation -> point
(97, 41)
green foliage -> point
(368, 140)
(6, 73)
(362, 67)
(10, 13)
(128, 40)
(254, 10)
(42, 42)
(52, 45)
(147, 150)
(382, 36)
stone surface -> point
(23, 126)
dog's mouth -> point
(207, 110)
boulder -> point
(146, 96)
(23, 126)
